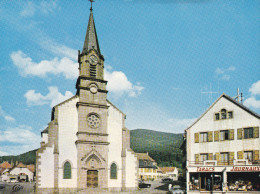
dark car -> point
(167, 180)
(142, 184)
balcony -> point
(220, 163)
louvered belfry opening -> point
(93, 71)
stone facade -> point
(86, 144)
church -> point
(86, 144)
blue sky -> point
(160, 56)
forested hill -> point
(25, 158)
(162, 147)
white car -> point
(176, 189)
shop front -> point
(243, 178)
(205, 179)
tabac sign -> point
(205, 169)
(245, 168)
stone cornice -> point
(89, 133)
(92, 105)
(92, 142)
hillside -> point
(25, 158)
(162, 147)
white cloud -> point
(119, 84)
(28, 10)
(224, 74)
(255, 88)
(45, 7)
(18, 140)
(26, 66)
(3, 153)
(53, 98)
(5, 116)
(252, 101)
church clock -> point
(93, 60)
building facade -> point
(170, 172)
(222, 149)
(148, 169)
(86, 145)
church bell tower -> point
(92, 143)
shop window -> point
(203, 157)
(67, 170)
(230, 115)
(248, 155)
(216, 116)
(224, 157)
(224, 135)
(248, 132)
(223, 114)
(113, 171)
(204, 137)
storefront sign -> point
(205, 169)
(245, 168)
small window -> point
(248, 133)
(113, 171)
(67, 171)
(217, 116)
(223, 114)
(224, 135)
(203, 157)
(248, 155)
(203, 137)
(230, 114)
(224, 157)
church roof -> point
(91, 39)
(231, 100)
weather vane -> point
(91, 1)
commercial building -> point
(222, 149)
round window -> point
(93, 121)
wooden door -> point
(92, 178)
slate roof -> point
(231, 100)
(91, 39)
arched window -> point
(113, 171)
(67, 170)
(223, 114)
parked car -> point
(167, 180)
(176, 189)
(142, 184)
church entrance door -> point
(92, 178)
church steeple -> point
(91, 39)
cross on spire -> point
(91, 1)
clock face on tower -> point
(93, 60)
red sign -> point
(245, 168)
(205, 169)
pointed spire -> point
(91, 40)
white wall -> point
(68, 127)
(17, 171)
(241, 119)
(46, 168)
(131, 170)
(114, 129)
(45, 137)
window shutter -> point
(231, 134)
(197, 158)
(256, 155)
(217, 157)
(197, 136)
(239, 133)
(216, 135)
(231, 157)
(256, 132)
(240, 155)
(210, 156)
(210, 136)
